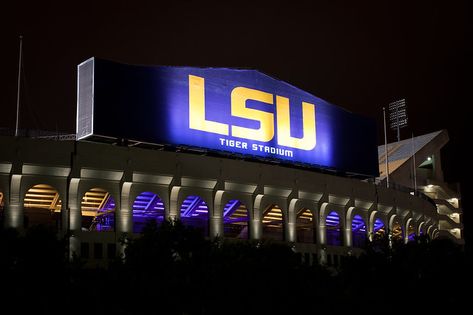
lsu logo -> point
(265, 132)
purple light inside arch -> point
(195, 213)
(334, 237)
(378, 224)
(194, 207)
(333, 219)
(358, 224)
(358, 228)
(235, 219)
(229, 209)
(109, 205)
(147, 206)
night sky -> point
(360, 55)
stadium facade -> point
(264, 167)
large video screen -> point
(243, 112)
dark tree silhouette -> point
(172, 269)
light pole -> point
(18, 87)
(386, 149)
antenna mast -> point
(18, 87)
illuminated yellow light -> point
(89, 213)
(307, 142)
(266, 130)
(42, 196)
(197, 108)
(307, 213)
(272, 217)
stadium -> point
(234, 153)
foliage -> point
(172, 269)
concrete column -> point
(256, 229)
(216, 216)
(123, 218)
(75, 215)
(370, 225)
(75, 218)
(216, 227)
(369, 235)
(428, 230)
(290, 232)
(406, 230)
(290, 228)
(321, 231)
(173, 203)
(391, 222)
(14, 211)
(420, 228)
(322, 234)
(124, 214)
(347, 236)
(256, 226)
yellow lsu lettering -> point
(307, 142)
(197, 109)
(265, 132)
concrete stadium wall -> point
(73, 168)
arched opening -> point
(98, 211)
(147, 207)
(195, 213)
(397, 232)
(411, 232)
(379, 229)
(358, 230)
(235, 220)
(42, 206)
(305, 226)
(333, 229)
(273, 223)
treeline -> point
(171, 269)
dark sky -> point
(356, 54)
